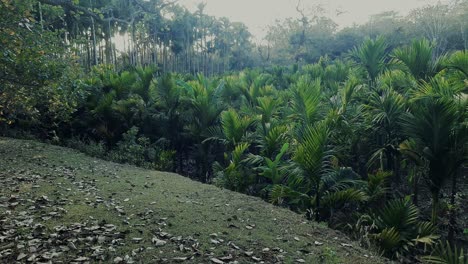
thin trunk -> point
(317, 203)
(94, 37)
(435, 206)
(88, 53)
(415, 186)
(453, 211)
(94, 42)
(40, 16)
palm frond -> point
(417, 59)
(371, 56)
(444, 253)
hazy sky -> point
(257, 14)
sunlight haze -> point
(258, 14)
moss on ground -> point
(203, 221)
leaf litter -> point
(42, 198)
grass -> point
(85, 189)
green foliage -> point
(417, 59)
(397, 230)
(36, 73)
(234, 126)
(371, 56)
(137, 150)
(92, 148)
(306, 100)
(376, 187)
(312, 159)
(312, 154)
(445, 254)
(458, 61)
(299, 136)
(437, 126)
(236, 175)
(272, 169)
(131, 149)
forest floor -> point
(59, 205)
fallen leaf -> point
(180, 259)
(158, 242)
(217, 261)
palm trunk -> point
(40, 16)
(93, 28)
(415, 187)
(317, 203)
(453, 216)
(435, 206)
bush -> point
(90, 147)
(138, 150)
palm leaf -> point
(445, 254)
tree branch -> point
(68, 4)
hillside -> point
(60, 205)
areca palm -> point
(168, 97)
(385, 109)
(274, 169)
(400, 81)
(457, 68)
(371, 56)
(444, 253)
(306, 95)
(267, 109)
(235, 176)
(437, 124)
(234, 126)
(399, 228)
(271, 143)
(204, 107)
(417, 59)
(458, 61)
(312, 157)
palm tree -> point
(235, 176)
(168, 104)
(313, 157)
(371, 56)
(437, 124)
(235, 127)
(458, 61)
(417, 59)
(306, 95)
(398, 229)
(205, 108)
(444, 253)
(385, 109)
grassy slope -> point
(150, 202)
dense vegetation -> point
(370, 139)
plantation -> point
(367, 135)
